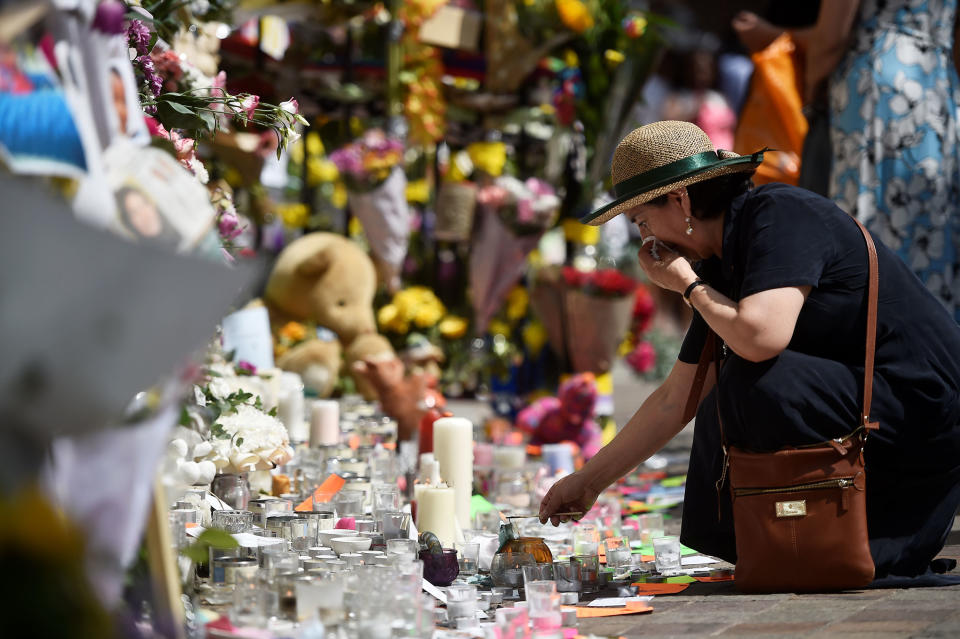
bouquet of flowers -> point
(372, 169)
(604, 282)
(415, 306)
(366, 163)
(527, 208)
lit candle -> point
(436, 511)
(453, 448)
(324, 422)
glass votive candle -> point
(353, 559)
(386, 497)
(651, 526)
(506, 569)
(618, 553)
(366, 525)
(512, 623)
(349, 503)
(394, 524)
(461, 602)
(179, 518)
(586, 540)
(537, 572)
(321, 596)
(249, 601)
(543, 605)
(666, 552)
(405, 548)
(567, 575)
(589, 572)
(469, 558)
(370, 556)
(232, 521)
(440, 569)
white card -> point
(698, 560)
(436, 592)
(248, 333)
(616, 602)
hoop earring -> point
(689, 227)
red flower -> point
(610, 281)
(643, 309)
(575, 278)
(642, 358)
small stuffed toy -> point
(327, 281)
(405, 397)
(567, 417)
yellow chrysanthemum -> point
(314, 144)
(321, 170)
(453, 327)
(387, 315)
(339, 197)
(575, 15)
(489, 157)
(499, 327)
(614, 58)
(517, 301)
(428, 315)
(458, 167)
(293, 331)
(534, 337)
(294, 215)
(418, 192)
(296, 152)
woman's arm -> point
(654, 424)
(758, 328)
(826, 42)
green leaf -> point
(177, 116)
(239, 441)
(273, 412)
(217, 538)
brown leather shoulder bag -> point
(800, 513)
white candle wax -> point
(453, 448)
(417, 493)
(509, 457)
(436, 511)
(291, 406)
(324, 422)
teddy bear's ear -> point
(315, 266)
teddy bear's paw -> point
(319, 379)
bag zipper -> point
(839, 482)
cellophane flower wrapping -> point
(385, 216)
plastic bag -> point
(772, 115)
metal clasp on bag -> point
(792, 508)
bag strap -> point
(707, 356)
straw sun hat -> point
(660, 157)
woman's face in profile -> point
(143, 214)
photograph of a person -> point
(141, 218)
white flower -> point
(198, 396)
(927, 246)
(291, 106)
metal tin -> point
(313, 564)
(276, 523)
(236, 566)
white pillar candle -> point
(509, 457)
(291, 406)
(436, 511)
(324, 422)
(453, 448)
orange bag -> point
(772, 115)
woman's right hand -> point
(572, 493)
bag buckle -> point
(792, 508)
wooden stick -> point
(571, 514)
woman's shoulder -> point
(790, 205)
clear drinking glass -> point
(667, 553)
(233, 521)
(349, 503)
(512, 623)
(543, 604)
(589, 572)
(618, 553)
(651, 526)
(586, 540)
(249, 601)
(567, 574)
(321, 594)
(403, 548)
(461, 601)
(537, 572)
(394, 524)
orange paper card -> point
(711, 580)
(632, 608)
(659, 589)
(324, 493)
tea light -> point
(324, 423)
(436, 512)
(453, 448)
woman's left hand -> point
(672, 271)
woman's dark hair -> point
(710, 198)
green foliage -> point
(199, 551)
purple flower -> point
(138, 35)
(109, 17)
(154, 81)
(229, 225)
(246, 368)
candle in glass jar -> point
(509, 457)
(453, 449)
(436, 513)
(324, 422)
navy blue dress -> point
(778, 236)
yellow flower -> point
(233, 177)
(296, 152)
(453, 327)
(418, 192)
(517, 301)
(294, 215)
(320, 170)
(534, 337)
(489, 157)
(460, 165)
(428, 315)
(293, 331)
(354, 227)
(339, 197)
(314, 144)
(387, 315)
(499, 327)
(575, 15)
(614, 58)
(570, 58)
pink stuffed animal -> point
(567, 417)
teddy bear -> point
(326, 280)
(567, 417)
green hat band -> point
(669, 173)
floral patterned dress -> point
(894, 128)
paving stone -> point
(902, 626)
(774, 628)
(900, 613)
(671, 629)
(801, 611)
